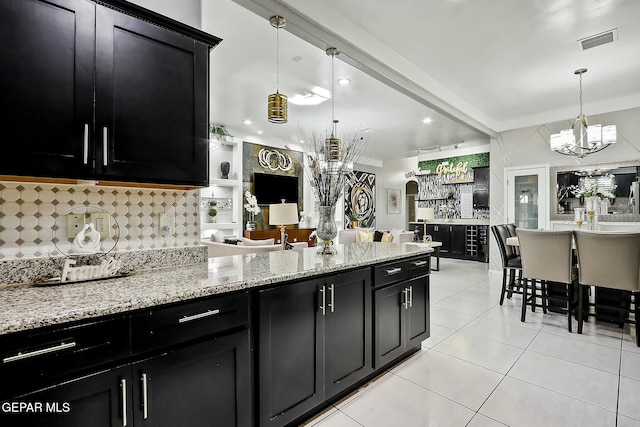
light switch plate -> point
(75, 223)
(102, 223)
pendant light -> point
(582, 139)
(333, 145)
(277, 104)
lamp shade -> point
(425, 213)
(283, 214)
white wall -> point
(186, 11)
(530, 146)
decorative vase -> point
(592, 205)
(355, 224)
(251, 225)
(327, 230)
(224, 169)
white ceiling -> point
(484, 66)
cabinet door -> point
(290, 352)
(151, 102)
(389, 323)
(458, 240)
(96, 400)
(347, 330)
(442, 234)
(202, 384)
(417, 325)
(46, 82)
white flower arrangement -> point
(591, 189)
(252, 203)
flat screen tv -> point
(270, 188)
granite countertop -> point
(24, 306)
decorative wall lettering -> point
(106, 268)
(274, 160)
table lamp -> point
(425, 214)
(283, 214)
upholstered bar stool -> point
(511, 263)
(547, 257)
(609, 260)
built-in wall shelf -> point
(224, 182)
(218, 225)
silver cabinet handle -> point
(145, 402)
(85, 144)
(193, 317)
(331, 300)
(419, 263)
(405, 292)
(322, 290)
(105, 146)
(394, 270)
(123, 386)
(410, 296)
(30, 354)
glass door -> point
(527, 196)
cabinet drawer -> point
(32, 359)
(396, 271)
(179, 323)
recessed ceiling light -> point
(302, 141)
(247, 122)
(259, 132)
(426, 120)
(344, 81)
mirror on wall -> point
(613, 181)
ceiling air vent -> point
(599, 39)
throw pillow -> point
(217, 236)
(377, 236)
(365, 236)
(249, 242)
(387, 237)
(396, 234)
(359, 229)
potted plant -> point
(212, 210)
(353, 218)
(220, 133)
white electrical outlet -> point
(75, 223)
(102, 223)
(167, 223)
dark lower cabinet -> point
(401, 319)
(313, 343)
(202, 384)
(197, 385)
(458, 240)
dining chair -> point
(547, 258)
(611, 261)
(511, 263)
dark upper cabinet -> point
(481, 187)
(46, 81)
(95, 93)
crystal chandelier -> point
(277, 103)
(583, 139)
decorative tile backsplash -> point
(33, 222)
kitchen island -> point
(261, 339)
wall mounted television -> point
(271, 188)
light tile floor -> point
(482, 367)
